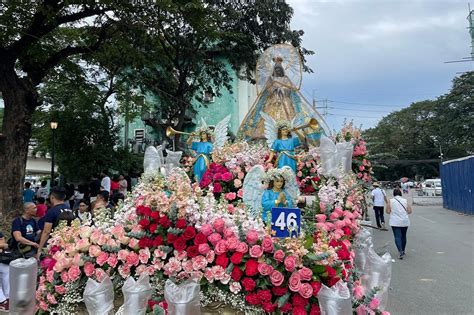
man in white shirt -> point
(379, 199)
(105, 183)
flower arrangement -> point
(170, 228)
(307, 175)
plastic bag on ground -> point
(335, 300)
(378, 273)
(183, 299)
(136, 295)
(99, 297)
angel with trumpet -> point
(282, 142)
(208, 139)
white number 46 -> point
(290, 221)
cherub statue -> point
(281, 141)
(205, 145)
(281, 190)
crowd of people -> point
(43, 210)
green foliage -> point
(418, 132)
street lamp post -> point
(54, 126)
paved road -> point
(437, 274)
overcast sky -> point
(384, 53)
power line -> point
(356, 116)
(361, 110)
(366, 104)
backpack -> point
(65, 215)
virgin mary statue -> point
(279, 71)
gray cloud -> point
(384, 53)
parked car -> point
(432, 187)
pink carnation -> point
(214, 238)
(102, 259)
(359, 292)
(74, 273)
(60, 289)
(374, 303)
(230, 196)
(206, 229)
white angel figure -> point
(281, 140)
(336, 158)
(276, 188)
(204, 146)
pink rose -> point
(204, 249)
(60, 289)
(237, 183)
(227, 177)
(83, 245)
(94, 251)
(359, 292)
(206, 229)
(241, 175)
(276, 278)
(240, 193)
(230, 196)
(252, 237)
(290, 263)
(232, 243)
(112, 260)
(221, 247)
(294, 284)
(230, 208)
(321, 218)
(256, 251)
(361, 310)
(89, 269)
(305, 273)
(374, 303)
(51, 299)
(306, 290)
(228, 233)
(279, 255)
(214, 238)
(264, 269)
(102, 259)
(144, 255)
(74, 273)
(219, 225)
(242, 248)
(64, 277)
(267, 244)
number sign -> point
(286, 222)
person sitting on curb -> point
(24, 231)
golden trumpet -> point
(312, 123)
(171, 132)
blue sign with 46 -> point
(286, 222)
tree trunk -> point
(20, 99)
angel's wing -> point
(203, 123)
(291, 186)
(220, 132)
(152, 160)
(271, 131)
(253, 190)
(297, 121)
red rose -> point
(145, 242)
(279, 291)
(142, 210)
(158, 241)
(165, 222)
(298, 300)
(331, 271)
(222, 260)
(217, 188)
(189, 233)
(299, 310)
(200, 238)
(152, 228)
(252, 299)
(316, 287)
(286, 308)
(265, 295)
(269, 307)
(179, 244)
(347, 231)
(181, 224)
(144, 222)
(333, 281)
(248, 284)
(315, 310)
(171, 237)
(192, 251)
(236, 258)
(251, 267)
(236, 274)
(155, 215)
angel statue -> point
(281, 141)
(281, 190)
(205, 145)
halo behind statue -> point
(290, 60)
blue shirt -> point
(28, 195)
(53, 214)
(28, 229)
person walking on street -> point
(379, 199)
(399, 209)
(28, 193)
(105, 183)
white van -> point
(432, 187)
